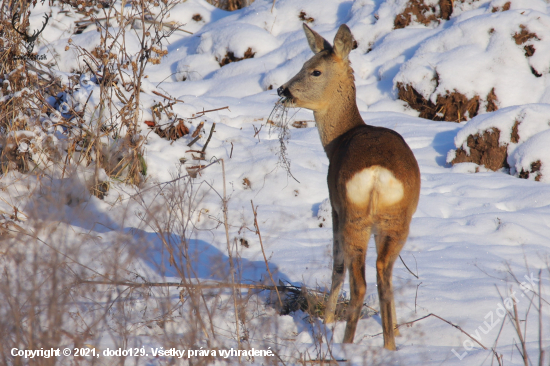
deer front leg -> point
(338, 270)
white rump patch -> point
(376, 182)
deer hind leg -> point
(338, 270)
(388, 246)
(356, 238)
(379, 239)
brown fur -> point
(376, 153)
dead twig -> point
(186, 285)
(168, 25)
(411, 272)
(440, 318)
(200, 167)
(416, 296)
(194, 140)
(257, 131)
(495, 354)
(197, 130)
(229, 252)
(209, 137)
(203, 112)
(166, 97)
(523, 352)
(257, 227)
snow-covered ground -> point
(470, 231)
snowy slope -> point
(470, 229)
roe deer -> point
(373, 178)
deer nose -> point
(281, 91)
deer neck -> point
(338, 117)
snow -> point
(472, 228)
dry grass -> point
(280, 121)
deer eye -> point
(316, 73)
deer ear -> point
(343, 42)
(316, 42)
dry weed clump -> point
(305, 18)
(299, 124)
(451, 107)
(486, 150)
(166, 123)
(420, 12)
(85, 7)
(505, 7)
(93, 121)
(534, 169)
(173, 131)
(230, 5)
(525, 37)
(230, 57)
(21, 95)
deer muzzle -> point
(283, 91)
